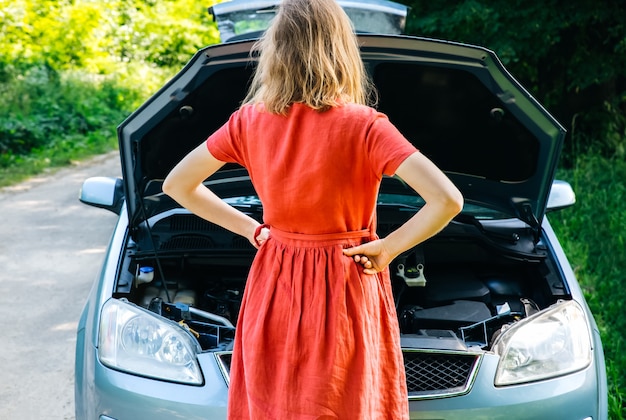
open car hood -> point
(455, 102)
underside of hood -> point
(455, 102)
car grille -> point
(187, 242)
(437, 374)
(189, 232)
(428, 374)
(191, 223)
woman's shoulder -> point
(353, 111)
(358, 109)
(358, 112)
(251, 109)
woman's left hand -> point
(373, 256)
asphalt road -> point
(51, 248)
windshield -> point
(407, 201)
(235, 19)
(416, 202)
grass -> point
(593, 234)
(60, 153)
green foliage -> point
(41, 109)
(49, 119)
(72, 70)
(40, 103)
(593, 236)
(165, 33)
(97, 35)
(570, 54)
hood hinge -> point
(526, 215)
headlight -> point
(136, 341)
(548, 344)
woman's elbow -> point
(167, 186)
(171, 188)
(458, 202)
(454, 201)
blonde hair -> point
(309, 54)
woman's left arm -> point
(443, 202)
(185, 185)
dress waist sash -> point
(305, 239)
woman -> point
(317, 335)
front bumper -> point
(114, 395)
(573, 397)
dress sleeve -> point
(225, 144)
(387, 148)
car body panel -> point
(104, 391)
(557, 398)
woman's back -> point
(315, 172)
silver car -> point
(493, 322)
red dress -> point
(316, 338)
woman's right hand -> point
(261, 237)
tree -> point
(96, 35)
(571, 55)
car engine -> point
(456, 291)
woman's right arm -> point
(185, 185)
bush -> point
(94, 35)
(40, 105)
(72, 70)
(49, 119)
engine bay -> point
(456, 291)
